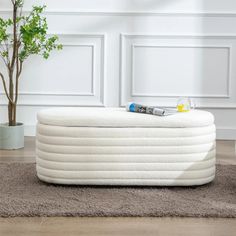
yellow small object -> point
(182, 108)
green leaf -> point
(32, 36)
(4, 54)
(19, 3)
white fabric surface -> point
(125, 158)
(64, 141)
(111, 150)
(133, 166)
(189, 149)
(119, 117)
(123, 132)
(157, 174)
(125, 182)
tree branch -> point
(8, 51)
(5, 88)
(4, 60)
(18, 73)
(20, 15)
(15, 41)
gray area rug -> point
(22, 194)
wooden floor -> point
(57, 226)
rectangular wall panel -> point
(67, 72)
(195, 71)
(72, 76)
(157, 69)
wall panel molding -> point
(127, 61)
(91, 93)
(134, 46)
(96, 97)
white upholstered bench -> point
(109, 146)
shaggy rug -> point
(22, 194)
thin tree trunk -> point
(14, 116)
(11, 111)
(9, 114)
(11, 104)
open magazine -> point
(153, 110)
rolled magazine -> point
(134, 107)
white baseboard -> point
(221, 133)
(226, 133)
(30, 130)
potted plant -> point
(20, 36)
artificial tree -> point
(21, 36)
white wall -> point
(149, 51)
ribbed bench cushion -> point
(119, 117)
(107, 146)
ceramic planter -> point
(11, 137)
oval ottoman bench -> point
(110, 146)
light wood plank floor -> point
(115, 226)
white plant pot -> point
(11, 137)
